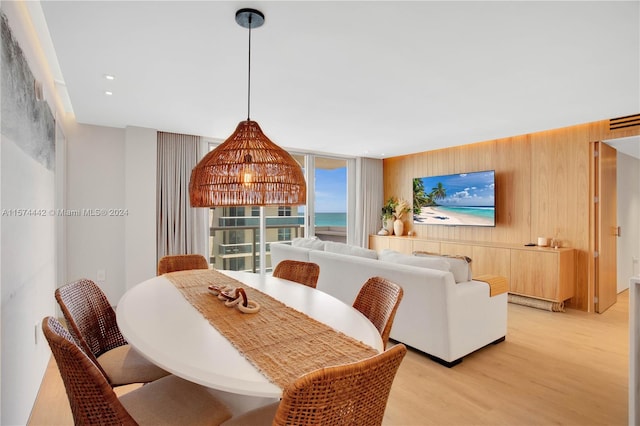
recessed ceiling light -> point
(109, 77)
(108, 93)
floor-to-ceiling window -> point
(234, 232)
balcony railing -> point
(252, 221)
(249, 249)
(227, 253)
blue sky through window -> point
(331, 190)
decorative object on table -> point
(387, 215)
(247, 168)
(398, 227)
(402, 207)
(555, 241)
(388, 225)
(217, 289)
(543, 241)
(235, 297)
(383, 231)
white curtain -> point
(182, 229)
(369, 194)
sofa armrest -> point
(476, 318)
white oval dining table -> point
(164, 327)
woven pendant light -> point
(247, 169)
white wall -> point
(628, 247)
(114, 171)
(28, 279)
(95, 188)
(29, 257)
(141, 152)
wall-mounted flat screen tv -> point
(462, 199)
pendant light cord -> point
(249, 75)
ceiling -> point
(629, 146)
(360, 78)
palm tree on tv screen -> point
(438, 193)
(419, 197)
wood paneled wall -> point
(542, 189)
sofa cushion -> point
(460, 265)
(388, 255)
(342, 248)
(310, 243)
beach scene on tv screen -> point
(457, 199)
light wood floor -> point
(566, 368)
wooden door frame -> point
(593, 218)
(594, 223)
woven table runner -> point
(497, 283)
(281, 342)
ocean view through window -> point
(331, 219)
(330, 192)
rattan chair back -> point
(306, 273)
(91, 397)
(90, 318)
(378, 300)
(350, 394)
(181, 262)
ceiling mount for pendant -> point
(249, 18)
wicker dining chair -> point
(378, 300)
(349, 394)
(170, 400)
(301, 272)
(181, 262)
(92, 322)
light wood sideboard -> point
(541, 272)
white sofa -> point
(441, 317)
